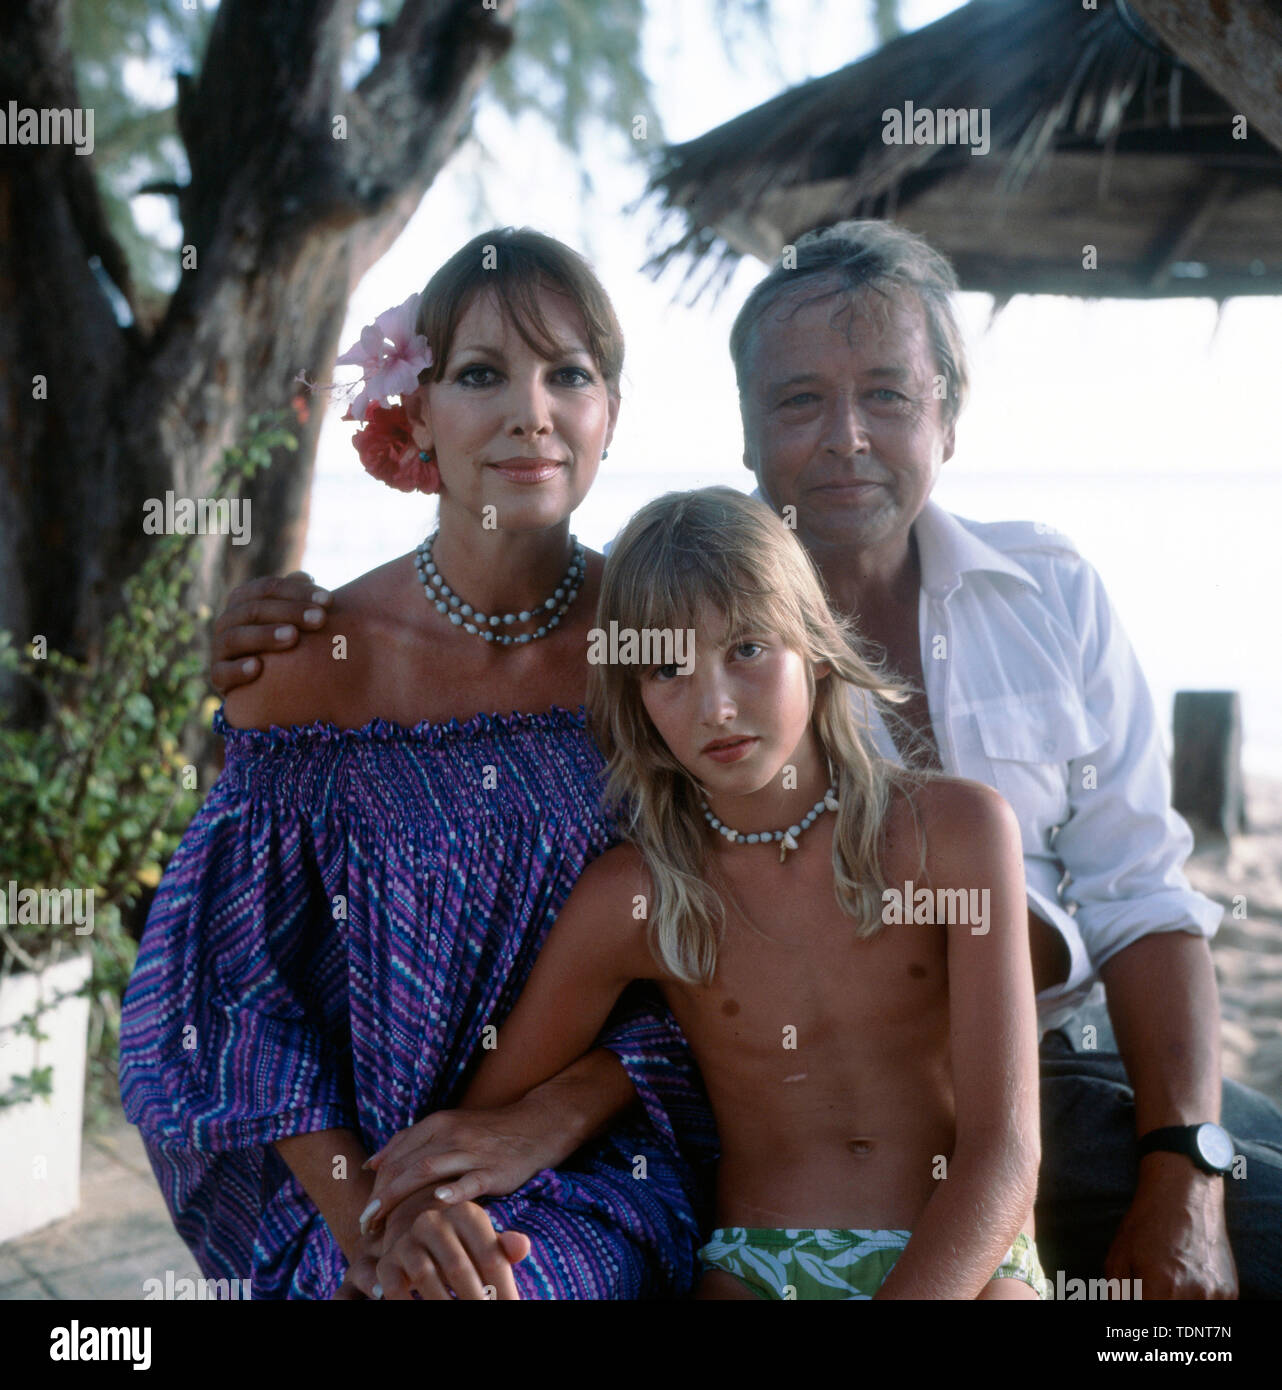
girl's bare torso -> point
(826, 1057)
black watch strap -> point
(1208, 1145)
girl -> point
(874, 1085)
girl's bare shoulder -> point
(613, 895)
(938, 822)
(617, 876)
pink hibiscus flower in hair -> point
(389, 452)
(391, 355)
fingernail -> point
(443, 1194)
(369, 1212)
(248, 666)
(321, 596)
(313, 616)
(378, 1290)
(283, 634)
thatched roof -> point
(1100, 137)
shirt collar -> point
(947, 551)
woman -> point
(358, 903)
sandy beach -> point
(1248, 946)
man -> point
(851, 376)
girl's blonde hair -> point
(718, 547)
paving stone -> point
(120, 1236)
(108, 1187)
(24, 1289)
(122, 1143)
(121, 1279)
(84, 1239)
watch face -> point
(1215, 1146)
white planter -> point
(40, 1139)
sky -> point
(1144, 430)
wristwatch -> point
(1209, 1146)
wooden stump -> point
(1209, 792)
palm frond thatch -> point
(1099, 136)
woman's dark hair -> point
(516, 265)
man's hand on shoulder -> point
(265, 615)
(305, 682)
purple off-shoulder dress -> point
(345, 914)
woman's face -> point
(517, 436)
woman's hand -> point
(250, 625)
(492, 1151)
(456, 1156)
(436, 1252)
(361, 1278)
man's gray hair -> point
(852, 256)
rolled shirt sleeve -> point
(1123, 846)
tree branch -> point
(269, 83)
(408, 114)
(262, 115)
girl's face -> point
(512, 430)
(741, 715)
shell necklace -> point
(786, 839)
(472, 620)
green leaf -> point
(139, 708)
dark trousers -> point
(1089, 1168)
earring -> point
(605, 454)
(424, 456)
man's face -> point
(841, 419)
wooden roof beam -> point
(1178, 238)
(1233, 45)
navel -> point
(861, 1148)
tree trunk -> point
(280, 218)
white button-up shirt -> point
(1033, 689)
